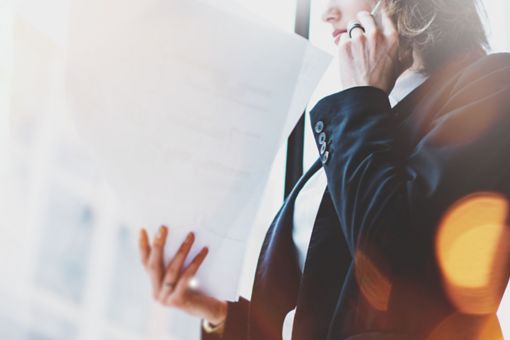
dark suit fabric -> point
(392, 174)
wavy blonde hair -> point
(438, 30)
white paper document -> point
(185, 107)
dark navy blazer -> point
(392, 174)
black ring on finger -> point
(354, 26)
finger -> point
(175, 267)
(357, 31)
(368, 22)
(345, 44)
(143, 245)
(387, 23)
(192, 269)
(155, 262)
(344, 37)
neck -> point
(417, 65)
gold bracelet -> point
(213, 329)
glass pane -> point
(46, 326)
(129, 297)
(61, 212)
(40, 324)
(65, 243)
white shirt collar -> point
(405, 84)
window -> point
(72, 269)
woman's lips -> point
(336, 34)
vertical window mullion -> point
(295, 143)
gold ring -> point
(170, 285)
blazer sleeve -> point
(374, 187)
(236, 325)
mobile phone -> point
(376, 7)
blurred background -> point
(69, 267)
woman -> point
(421, 123)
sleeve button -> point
(325, 157)
(322, 138)
(319, 126)
(323, 148)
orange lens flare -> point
(462, 326)
(374, 286)
(472, 249)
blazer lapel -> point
(277, 276)
(327, 262)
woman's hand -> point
(171, 285)
(370, 58)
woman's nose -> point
(331, 14)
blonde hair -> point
(438, 30)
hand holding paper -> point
(172, 285)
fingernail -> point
(189, 237)
(161, 231)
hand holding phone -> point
(370, 57)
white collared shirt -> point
(309, 198)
